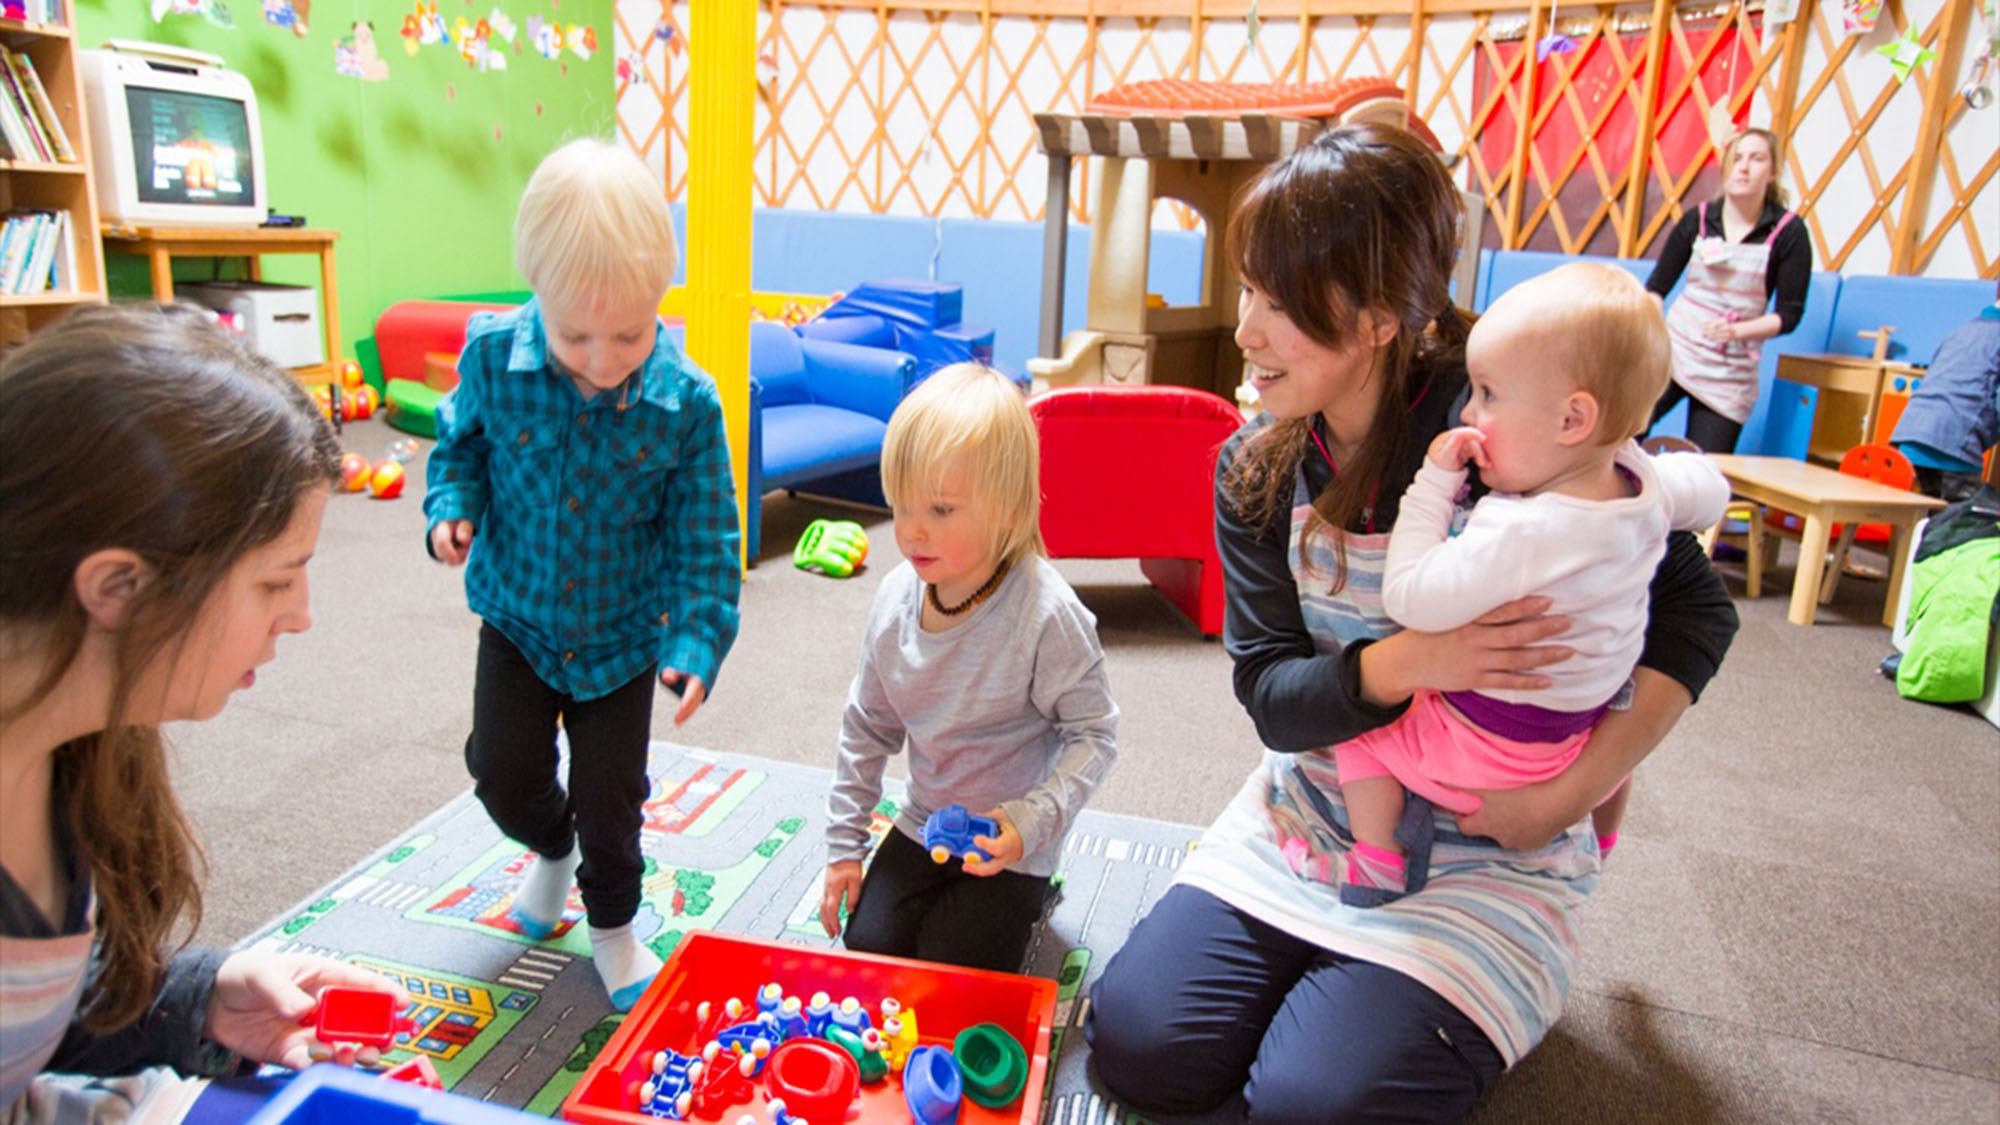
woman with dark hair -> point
(161, 488)
(1250, 976)
(1740, 251)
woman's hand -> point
(1006, 848)
(843, 883)
(1529, 817)
(262, 1002)
(1495, 653)
(1719, 331)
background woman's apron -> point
(1725, 281)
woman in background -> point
(1740, 251)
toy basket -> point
(714, 967)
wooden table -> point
(1823, 497)
(161, 245)
(1840, 424)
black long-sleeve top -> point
(1301, 700)
(1788, 273)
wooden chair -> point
(1882, 464)
(1742, 511)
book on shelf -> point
(28, 118)
(32, 11)
(44, 108)
(37, 252)
(14, 128)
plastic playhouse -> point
(1197, 143)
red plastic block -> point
(417, 1072)
(362, 1016)
(714, 967)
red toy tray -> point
(715, 967)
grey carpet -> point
(1801, 923)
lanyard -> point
(1368, 512)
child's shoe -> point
(544, 891)
(625, 964)
(1374, 876)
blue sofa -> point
(1923, 310)
(819, 410)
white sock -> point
(544, 891)
(625, 964)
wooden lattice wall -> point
(924, 108)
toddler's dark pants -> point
(912, 907)
(511, 754)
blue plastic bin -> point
(339, 1095)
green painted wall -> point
(418, 173)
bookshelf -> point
(63, 187)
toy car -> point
(950, 830)
(670, 1092)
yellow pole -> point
(722, 86)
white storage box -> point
(282, 321)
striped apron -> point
(1725, 281)
(1495, 931)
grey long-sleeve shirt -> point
(1009, 708)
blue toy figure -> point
(950, 831)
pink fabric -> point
(1431, 747)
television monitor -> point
(174, 137)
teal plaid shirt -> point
(605, 538)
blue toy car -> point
(670, 1092)
(950, 830)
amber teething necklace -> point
(985, 591)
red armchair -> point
(1128, 472)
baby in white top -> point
(1563, 371)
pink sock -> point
(1605, 842)
(1370, 866)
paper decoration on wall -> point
(501, 25)
(214, 11)
(356, 56)
(1251, 24)
(628, 68)
(475, 45)
(288, 13)
(1906, 54)
(1778, 12)
(1982, 78)
(581, 39)
(665, 33)
(1857, 17)
(767, 78)
(423, 28)
(1555, 42)
(546, 38)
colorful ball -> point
(350, 375)
(354, 472)
(386, 482)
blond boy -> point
(581, 467)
